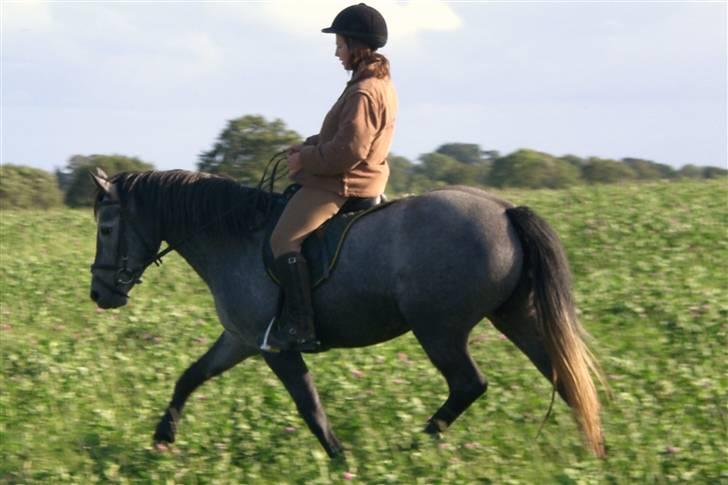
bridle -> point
(125, 275)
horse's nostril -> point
(94, 295)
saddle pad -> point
(322, 248)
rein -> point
(126, 275)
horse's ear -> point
(101, 180)
(100, 172)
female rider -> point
(348, 158)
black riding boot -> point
(293, 328)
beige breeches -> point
(304, 213)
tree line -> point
(245, 145)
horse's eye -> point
(105, 231)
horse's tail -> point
(572, 362)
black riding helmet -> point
(360, 22)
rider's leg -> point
(304, 213)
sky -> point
(159, 80)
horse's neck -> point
(214, 258)
(233, 271)
(231, 266)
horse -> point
(435, 264)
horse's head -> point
(125, 245)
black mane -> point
(183, 202)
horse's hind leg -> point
(447, 348)
(517, 321)
(225, 353)
(292, 371)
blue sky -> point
(159, 80)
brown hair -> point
(362, 53)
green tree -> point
(714, 172)
(400, 175)
(479, 161)
(439, 170)
(574, 161)
(649, 170)
(532, 169)
(245, 146)
(468, 153)
(80, 189)
(491, 154)
(690, 171)
(28, 188)
(604, 171)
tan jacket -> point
(349, 155)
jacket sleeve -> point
(311, 140)
(358, 126)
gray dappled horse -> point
(436, 264)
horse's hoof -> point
(167, 427)
(435, 427)
(162, 447)
(162, 435)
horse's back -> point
(449, 252)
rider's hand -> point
(294, 148)
(294, 163)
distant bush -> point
(690, 171)
(468, 153)
(603, 171)
(400, 175)
(532, 169)
(649, 170)
(79, 187)
(573, 160)
(714, 172)
(446, 170)
(28, 188)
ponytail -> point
(362, 53)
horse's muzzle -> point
(104, 298)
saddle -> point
(322, 248)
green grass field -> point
(82, 389)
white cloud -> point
(418, 16)
(26, 16)
(308, 18)
(114, 40)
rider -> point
(348, 158)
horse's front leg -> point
(225, 353)
(292, 371)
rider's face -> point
(342, 51)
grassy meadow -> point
(82, 389)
